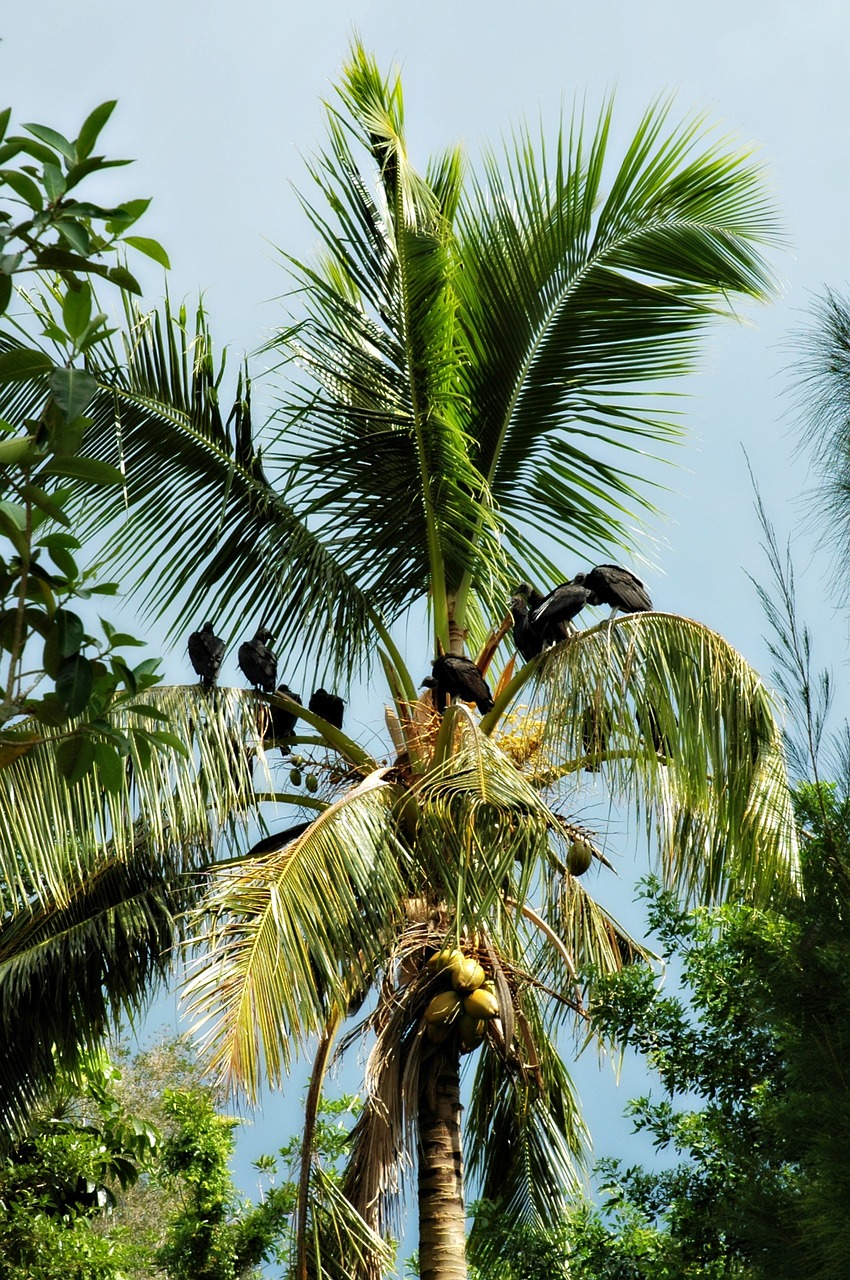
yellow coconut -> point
(471, 1031)
(438, 1032)
(446, 958)
(482, 1003)
(467, 975)
(443, 1008)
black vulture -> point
(206, 651)
(257, 661)
(277, 842)
(524, 601)
(454, 676)
(596, 726)
(613, 585)
(327, 705)
(650, 726)
(281, 724)
(552, 618)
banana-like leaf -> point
(287, 935)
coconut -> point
(482, 1003)
(471, 1031)
(443, 1008)
(467, 975)
(579, 857)
(438, 1032)
(446, 958)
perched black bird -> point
(596, 726)
(650, 725)
(454, 676)
(281, 724)
(206, 651)
(327, 705)
(257, 661)
(613, 585)
(551, 619)
(524, 601)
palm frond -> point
(822, 399)
(290, 934)
(388, 460)
(694, 744)
(176, 802)
(482, 830)
(69, 970)
(576, 302)
(525, 1137)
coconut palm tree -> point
(471, 380)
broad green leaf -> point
(17, 451)
(66, 437)
(44, 502)
(74, 683)
(15, 514)
(70, 630)
(123, 278)
(110, 767)
(76, 309)
(9, 263)
(16, 366)
(73, 390)
(64, 562)
(74, 758)
(54, 182)
(4, 122)
(126, 214)
(23, 186)
(170, 740)
(76, 235)
(53, 139)
(152, 248)
(5, 291)
(85, 469)
(91, 128)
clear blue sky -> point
(218, 104)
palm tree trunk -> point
(442, 1219)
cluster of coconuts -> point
(464, 1009)
(311, 782)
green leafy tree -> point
(104, 812)
(58, 1179)
(476, 353)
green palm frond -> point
(482, 828)
(694, 744)
(341, 1243)
(388, 458)
(237, 548)
(525, 1137)
(576, 300)
(97, 953)
(288, 935)
(175, 802)
(94, 876)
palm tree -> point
(473, 378)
